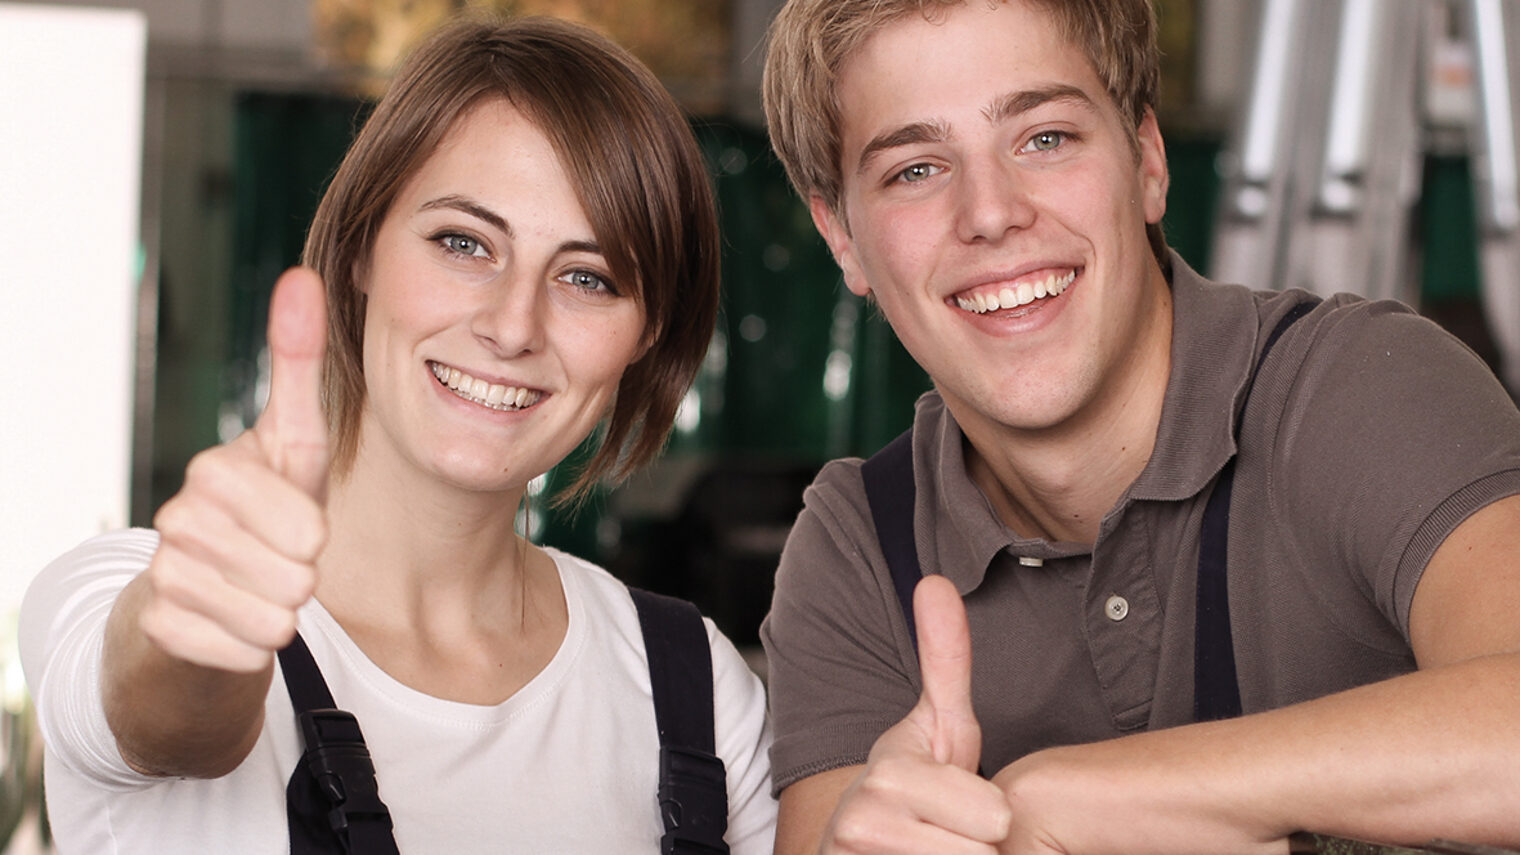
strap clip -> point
(339, 761)
(693, 802)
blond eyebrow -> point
(910, 134)
(1004, 108)
(1017, 103)
(469, 206)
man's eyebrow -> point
(1012, 104)
(917, 132)
(1015, 103)
(468, 206)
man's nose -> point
(991, 201)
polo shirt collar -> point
(1210, 368)
(1214, 332)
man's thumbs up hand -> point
(920, 791)
(944, 664)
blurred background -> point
(160, 161)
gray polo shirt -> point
(1369, 435)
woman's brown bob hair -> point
(633, 161)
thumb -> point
(293, 428)
(944, 663)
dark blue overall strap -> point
(888, 477)
(693, 793)
(332, 803)
(1216, 687)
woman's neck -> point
(435, 586)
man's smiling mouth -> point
(1012, 296)
(492, 395)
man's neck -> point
(1059, 494)
(1058, 483)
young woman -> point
(519, 248)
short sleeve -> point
(62, 628)
(841, 666)
(1393, 433)
(743, 737)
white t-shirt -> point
(568, 764)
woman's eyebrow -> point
(581, 246)
(469, 206)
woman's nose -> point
(510, 320)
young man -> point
(992, 175)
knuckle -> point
(170, 582)
(303, 586)
(855, 831)
(273, 628)
(310, 536)
(888, 773)
(174, 517)
(157, 622)
(206, 469)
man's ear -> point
(1154, 178)
(837, 235)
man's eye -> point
(917, 172)
(463, 245)
(1046, 141)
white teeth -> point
(1011, 297)
(493, 395)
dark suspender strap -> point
(1216, 686)
(888, 477)
(693, 792)
(303, 680)
(332, 803)
(1216, 689)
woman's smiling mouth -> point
(492, 395)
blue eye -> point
(1046, 141)
(917, 172)
(463, 245)
(587, 280)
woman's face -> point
(495, 336)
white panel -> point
(177, 22)
(71, 98)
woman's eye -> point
(917, 172)
(463, 245)
(585, 280)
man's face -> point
(993, 203)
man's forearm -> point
(1426, 755)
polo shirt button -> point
(1031, 561)
(1117, 608)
